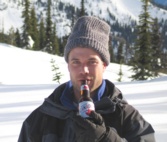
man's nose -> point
(84, 69)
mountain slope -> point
(123, 11)
(161, 2)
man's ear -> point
(105, 65)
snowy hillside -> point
(123, 10)
(26, 80)
(37, 64)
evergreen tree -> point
(73, 19)
(62, 44)
(18, 40)
(57, 75)
(120, 73)
(164, 35)
(156, 46)
(41, 35)
(164, 62)
(11, 36)
(120, 60)
(120, 57)
(141, 60)
(55, 41)
(82, 11)
(127, 53)
(2, 34)
(34, 29)
(48, 42)
(112, 57)
(26, 23)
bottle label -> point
(85, 107)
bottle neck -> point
(84, 89)
(85, 93)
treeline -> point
(38, 31)
(148, 57)
(143, 45)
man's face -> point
(85, 64)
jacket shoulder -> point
(38, 124)
(28, 125)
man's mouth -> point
(87, 81)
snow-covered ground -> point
(26, 79)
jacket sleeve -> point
(29, 126)
(134, 128)
(24, 133)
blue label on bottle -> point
(85, 107)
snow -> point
(123, 10)
(130, 7)
(26, 80)
(26, 76)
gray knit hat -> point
(90, 32)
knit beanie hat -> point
(90, 32)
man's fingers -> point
(97, 118)
(82, 122)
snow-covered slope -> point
(14, 62)
(26, 80)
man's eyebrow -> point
(72, 59)
(89, 59)
(92, 58)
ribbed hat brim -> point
(88, 43)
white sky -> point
(26, 79)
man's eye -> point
(93, 62)
(75, 62)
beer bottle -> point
(85, 103)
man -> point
(113, 120)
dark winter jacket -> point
(52, 122)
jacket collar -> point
(67, 95)
(53, 106)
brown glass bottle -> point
(85, 103)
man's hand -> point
(91, 129)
